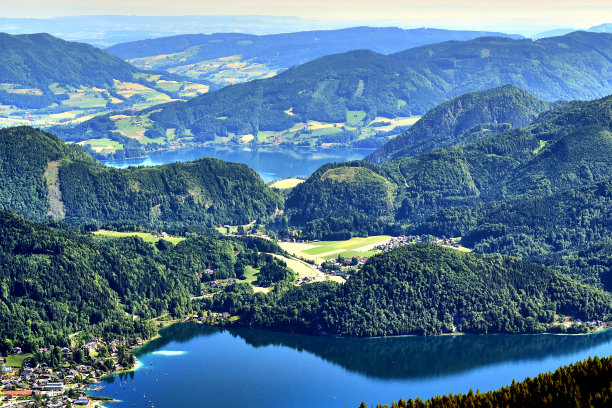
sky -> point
(514, 15)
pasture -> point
(287, 183)
(320, 251)
(146, 236)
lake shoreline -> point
(271, 163)
(388, 368)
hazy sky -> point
(475, 14)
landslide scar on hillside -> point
(56, 205)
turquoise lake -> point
(202, 366)
(270, 162)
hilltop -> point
(43, 177)
(464, 119)
(564, 148)
(351, 98)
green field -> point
(16, 360)
(298, 267)
(86, 100)
(354, 118)
(104, 145)
(146, 236)
(286, 183)
(251, 277)
(324, 250)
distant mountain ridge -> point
(227, 58)
(384, 40)
(346, 93)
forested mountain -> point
(45, 80)
(227, 58)
(55, 280)
(464, 119)
(424, 289)
(44, 177)
(583, 384)
(348, 92)
(40, 60)
(564, 148)
(570, 230)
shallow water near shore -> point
(195, 365)
(271, 163)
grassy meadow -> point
(321, 251)
(146, 236)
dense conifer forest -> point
(45, 177)
(583, 384)
(56, 280)
(424, 289)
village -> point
(403, 240)
(57, 377)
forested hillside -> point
(347, 94)
(564, 148)
(464, 119)
(55, 281)
(570, 230)
(228, 58)
(45, 177)
(583, 384)
(424, 289)
(40, 60)
(45, 80)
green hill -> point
(44, 177)
(45, 80)
(348, 98)
(569, 230)
(56, 281)
(463, 119)
(564, 148)
(425, 289)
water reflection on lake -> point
(193, 365)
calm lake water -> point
(270, 162)
(202, 366)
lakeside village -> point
(59, 377)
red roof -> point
(18, 392)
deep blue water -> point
(201, 366)
(270, 162)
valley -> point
(320, 218)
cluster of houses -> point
(303, 280)
(397, 242)
(216, 285)
(57, 387)
(342, 267)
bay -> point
(271, 163)
(197, 366)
